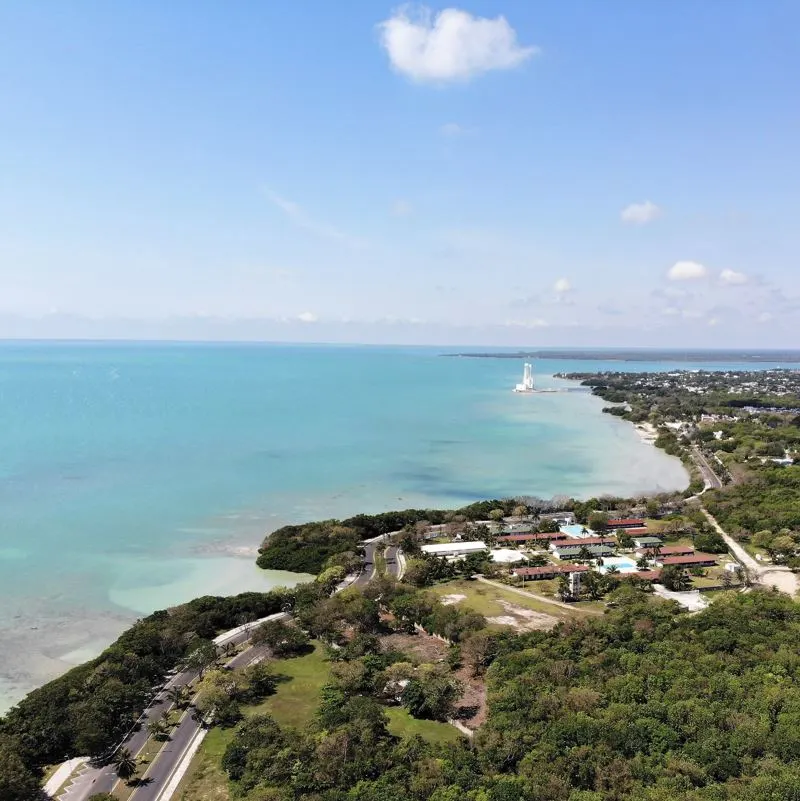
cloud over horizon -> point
(452, 45)
(687, 271)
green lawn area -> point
(205, 779)
(293, 704)
(297, 699)
(401, 724)
(484, 598)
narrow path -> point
(778, 576)
(551, 601)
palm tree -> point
(125, 765)
(157, 728)
(564, 591)
(178, 696)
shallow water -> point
(135, 476)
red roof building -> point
(549, 571)
(646, 575)
(578, 541)
(691, 560)
(535, 537)
(627, 522)
(668, 550)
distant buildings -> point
(451, 549)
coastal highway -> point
(391, 555)
(165, 764)
(92, 780)
(709, 476)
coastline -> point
(647, 433)
(163, 525)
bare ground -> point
(424, 648)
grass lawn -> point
(293, 704)
(484, 598)
(547, 589)
(297, 699)
(205, 779)
(401, 724)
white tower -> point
(527, 380)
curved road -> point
(778, 576)
(92, 780)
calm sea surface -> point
(136, 476)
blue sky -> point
(574, 173)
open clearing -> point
(502, 607)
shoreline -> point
(647, 433)
(136, 585)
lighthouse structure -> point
(527, 380)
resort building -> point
(627, 522)
(532, 538)
(646, 542)
(670, 550)
(572, 542)
(506, 556)
(690, 560)
(549, 571)
(451, 549)
(572, 551)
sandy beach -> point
(647, 432)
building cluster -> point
(574, 550)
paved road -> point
(368, 571)
(392, 556)
(709, 476)
(101, 780)
(164, 765)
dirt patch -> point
(419, 647)
(455, 598)
(523, 619)
(472, 705)
(424, 648)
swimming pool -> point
(576, 531)
(622, 563)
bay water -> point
(134, 476)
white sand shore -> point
(647, 432)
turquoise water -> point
(575, 531)
(622, 563)
(135, 476)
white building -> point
(527, 380)
(506, 556)
(450, 549)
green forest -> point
(641, 704)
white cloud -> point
(562, 286)
(451, 129)
(687, 271)
(765, 317)
(714, 321)
(732, 278)
(308, 317)
(300, 217)
(450, 46)
(402, 208)
(640, 213)
(671, 311)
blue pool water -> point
(622, 563)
